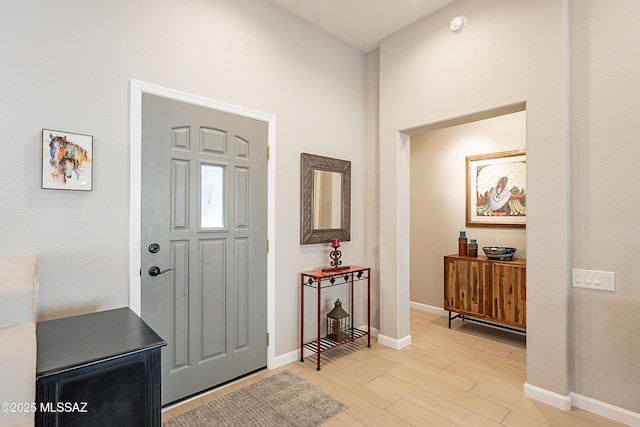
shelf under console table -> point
(322, 279)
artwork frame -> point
(67, 160)
(487, 177)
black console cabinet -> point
(98, 369)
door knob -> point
(155, 271)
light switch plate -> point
(593, 279)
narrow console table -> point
(98, 369)
(320, 279)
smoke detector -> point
(457, 24)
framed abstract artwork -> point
(67, 160)
(497, 190)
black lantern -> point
(338, 323)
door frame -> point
(137, 88)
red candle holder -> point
(335, 253)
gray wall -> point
(429, 75)
(605, 216)
(568, 61)
(67, 65)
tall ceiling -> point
(361, 23)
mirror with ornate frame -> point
(325, 199)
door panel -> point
(204, 203)
(179, 304)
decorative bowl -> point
(499, 252)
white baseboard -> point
(285, 359)
(565, 403)
(615, 413)
(428, 308)
(373, 331)
(394, 343)
(548, 397)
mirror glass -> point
(325, 199)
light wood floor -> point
(469, 375)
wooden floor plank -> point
(360, 366)
(426, 357)
(488, 365)
(496, 381)
(365, 389)
(397, 357)
(469, 375)
(477, 404)
(360, 408)
(516, 419)
(417, 416)
(343, 420)
(455, 413)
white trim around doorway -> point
(137, 88)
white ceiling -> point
(361, 23)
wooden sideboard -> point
(481, 289)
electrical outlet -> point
(592, 279)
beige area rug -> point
(283, 399)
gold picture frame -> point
(496, 190)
